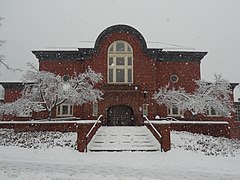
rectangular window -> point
(110, 76)
(65, 110)
(120, 75)
(119, 46)
(145, 109)
(95, 109)
(129, 75)
(174, 111)
(110, 61)
(212, 112)
(120, 61)
(129, 61)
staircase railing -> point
(171, 119)
(155, 130)
(91, 130)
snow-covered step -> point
(123, 138)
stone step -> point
(123, 138)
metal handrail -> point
(90, 131)
(160, 136)
(172, 118)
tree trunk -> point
(49, 115)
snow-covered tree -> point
(1, 44)
(46, 90)
(216, 95)
(2, 57)
(21, 107)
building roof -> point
(14, 84)
(84, 53)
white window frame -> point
(114, 54)
(59, 110)
(170, 111)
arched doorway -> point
(120, 115)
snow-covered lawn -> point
(59, 160)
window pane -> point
(110, 61)
(71, 110)
(213, 112)
(119, 61)
(111, 48)
(120, 46)
(119, 75)
(110, 77)
(129, 61)
(65, 109)
(175, 110)
(129, 75)
(129, 49)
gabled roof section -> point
(85, 53)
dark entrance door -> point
(120, 115)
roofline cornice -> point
(85, 53)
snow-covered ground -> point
(54, 157)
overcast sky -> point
(208, 25)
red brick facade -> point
(152, 69)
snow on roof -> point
(70, 47)
(183, 50)
(172, 47)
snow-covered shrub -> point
(37, 140)
(208, 145)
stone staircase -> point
(123, 138)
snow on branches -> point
(45, 90)
(216, 95)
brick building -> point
(131, 71)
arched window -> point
(120, 63)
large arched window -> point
(120, 63)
